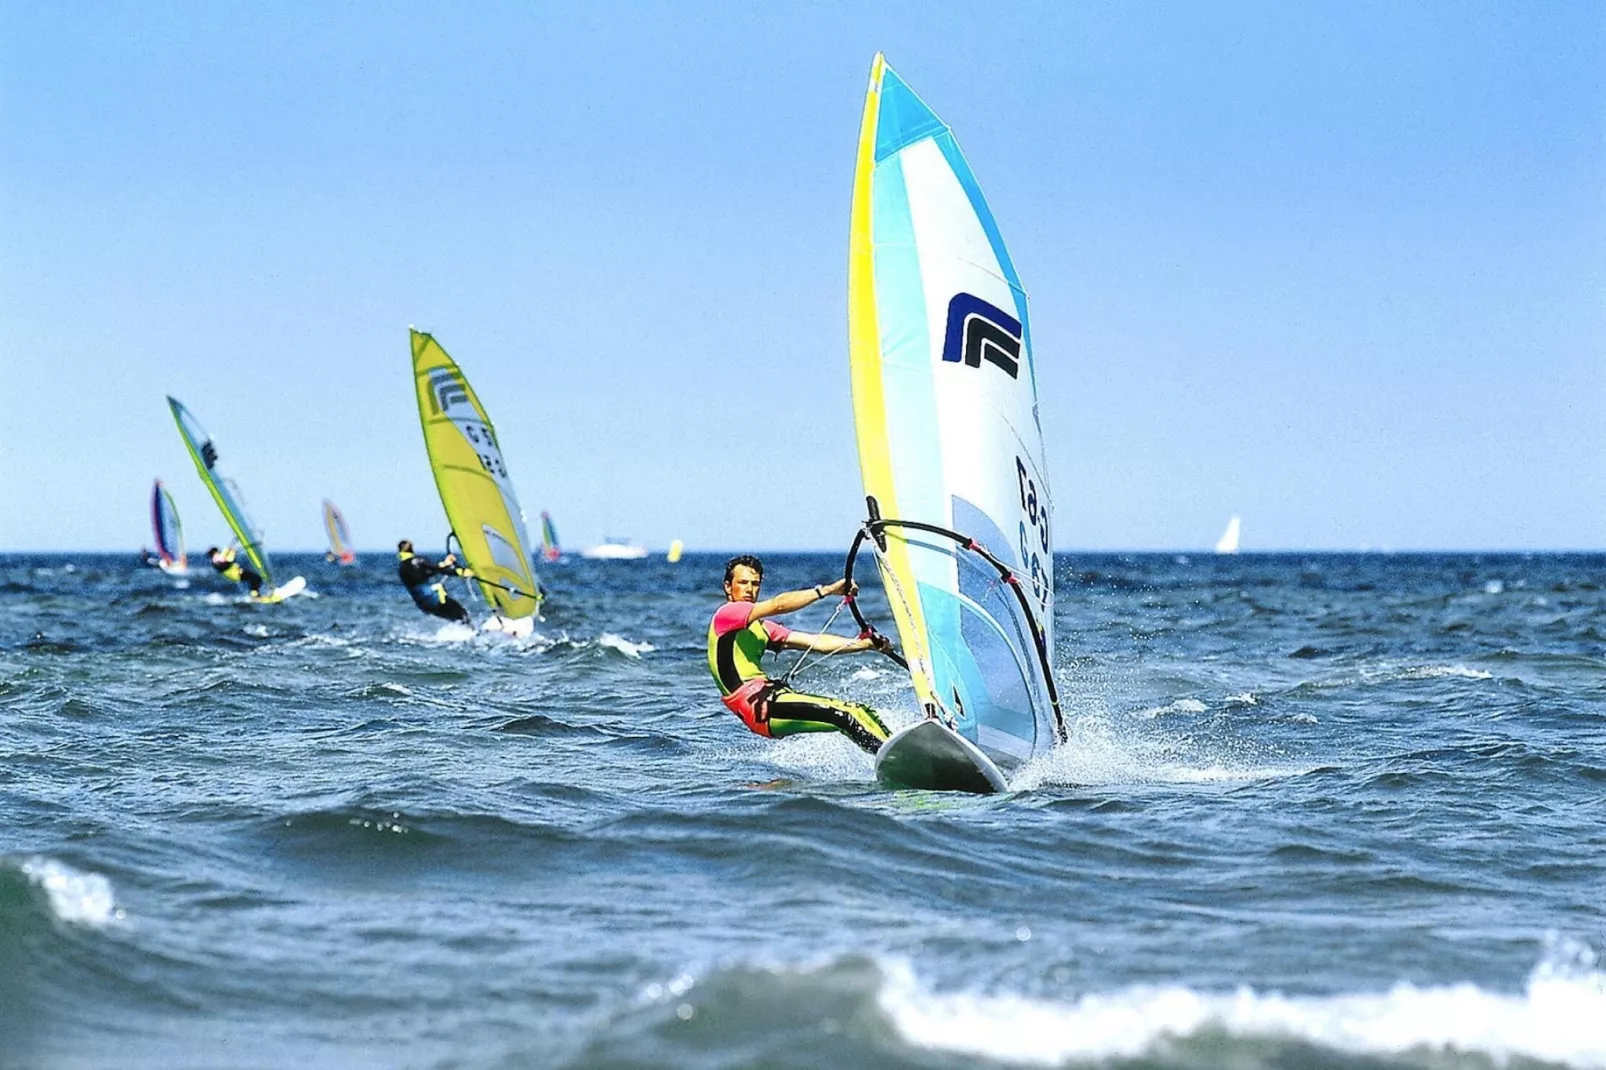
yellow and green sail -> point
(475, 490)
(223, 490)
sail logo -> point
(208, 454)
(979, 331)
(445, 389)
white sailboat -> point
(1228, 543)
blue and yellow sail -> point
(945, 405)
(473, 481)
(223, 490)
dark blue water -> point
(1317, 811)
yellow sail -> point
(473, 481)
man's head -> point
(744, 574)
(212, 551)
(405, 546)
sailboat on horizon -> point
(1228, 543)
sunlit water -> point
(1317, 811)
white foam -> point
(1493, 587)
(212, 598)
(453, 633)
(624, 646)
(75, 897)
(1097, 755)
(1434, 672)
(1556, 1019)
(1181, 705)
(256, 631)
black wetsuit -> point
(422, 578)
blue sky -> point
(1340, 269)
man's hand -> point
(880, 643)
(829, 589)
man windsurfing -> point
(740, 634)
(233, 570)
(424, 581)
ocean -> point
(1317, 810)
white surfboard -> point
(288, 589)
(933, 757)
(517, 627)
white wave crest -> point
(624, 646)
(1556, 1019)
(1096, 754)
(75, 897)
(1436, 672)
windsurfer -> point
(231, 569)
(421, 577)
(740, 634)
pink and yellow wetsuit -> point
(736, 644)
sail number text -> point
(1034, 537)
(483, 439)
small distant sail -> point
(472, 478)
(166, 530)
(339, 534)
(550, 550)
(676, 548)
(1228, 543)
(223, 490)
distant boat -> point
(475, 489)
(167, 532)
(1228, 543)
(339, 534)
(229, 501)
(676, 548)
(550, 550)
(613, 549)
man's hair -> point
(743, 559)
(210, 550)
(405, 546)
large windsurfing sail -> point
(223, 490)
(334, 523)
(550, 549)
(166, 530)
(950, 449)
(473, 481)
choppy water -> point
(1318, 811)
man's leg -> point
(791, 712)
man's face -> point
(743, 584)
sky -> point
(1339, 269)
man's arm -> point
(832, 644)
(792, 601)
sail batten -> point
(471, 476)
(224, 491)
(950, 448)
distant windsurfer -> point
(423, 580)
(231, 569)
(150, 560)
(740, 634)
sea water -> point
(1316, 811)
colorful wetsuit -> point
(735, 647)
(422, 578)
(233, 571)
